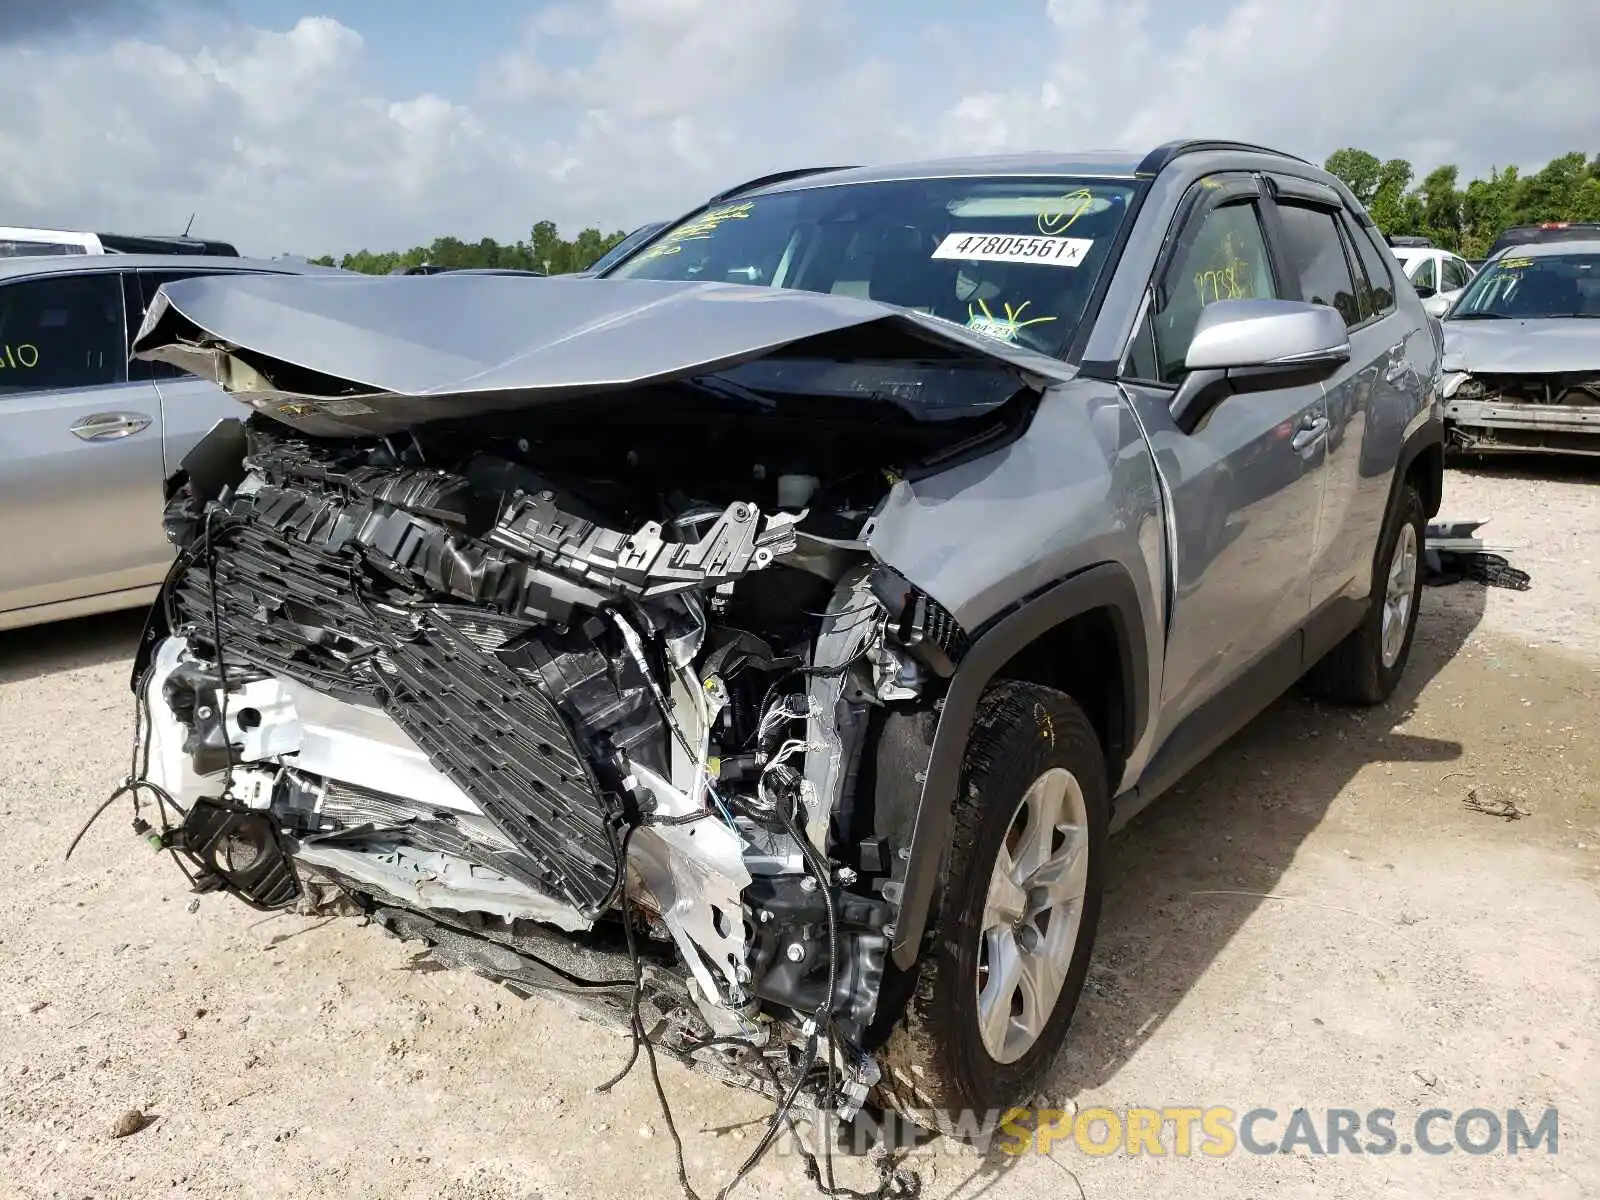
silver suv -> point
(757, 643)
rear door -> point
(1307, 218)
(80, 445)
(190, 406)
(1246, 485)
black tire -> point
(939, 1074)
(1354, 672)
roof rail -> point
(775, 177)
(1165, 154)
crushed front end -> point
(1551, 411)
(591, 678)
(430, 674)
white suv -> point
(23, 242)
(1438, 275)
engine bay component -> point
(431, 670)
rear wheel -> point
(1366, 667)
(1016, 920)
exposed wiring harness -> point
(892, 1182)
(138, 777)
(136, 781)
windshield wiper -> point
(1478, 316)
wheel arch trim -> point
(1106, 586)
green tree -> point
(1468, 219)
(1359, 170)
(1441, 215)
(1487, 207)
(1389, 208)
(545, 250)
(549, 251)
(1555, 193)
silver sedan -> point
(87, 439)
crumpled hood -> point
(1514, 346)
(369, 355)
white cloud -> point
(268, 135)
(1476, 84)
(625, 110)
(663, 59)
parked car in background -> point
(1522, 352)
(759, 642)
(86, 438)
(1544, 232)
(20, 242)
(1437, 275)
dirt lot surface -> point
(1414, 953)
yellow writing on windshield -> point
(1513, 263)
(1004, 328)
(23, 355)
(1064, 211)
(698, 229)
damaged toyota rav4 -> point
(756, 644)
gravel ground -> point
(1315, 919)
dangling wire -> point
(216, 644)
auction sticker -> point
(1018, 248)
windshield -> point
(1547, 285)
(624, 247)
(1013, 258)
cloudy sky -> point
(313, 126)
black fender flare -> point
(1428, 434)
(1105, 586)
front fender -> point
(931, 792)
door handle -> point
(108, 426)
(1399, 365)
(1310, 430)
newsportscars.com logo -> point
(1216, 1131)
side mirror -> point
(1254, 346)
(1438, 304)
(1424, 290)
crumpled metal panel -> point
(350, 355)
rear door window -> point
(1374, 274)
(1315, 255)
(62, 331)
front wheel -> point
(1016, 920)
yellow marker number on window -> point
(18, 356)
